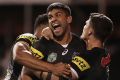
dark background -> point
(17, 17)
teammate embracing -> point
(94, 63)
(64, 45)
(24, 56)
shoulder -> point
(41, 44)
(42, 40)
(78, 41)
(97, 51)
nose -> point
(53, 19)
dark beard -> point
(59, 38)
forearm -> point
(23, 56)
(33, 63)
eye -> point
(59, 14)
(49, 17)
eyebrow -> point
(59, 12)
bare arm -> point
(27, 73)
(23, 56)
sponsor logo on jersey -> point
(37, 53)
(52, 57)
(80, 63)
(65, 52)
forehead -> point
(55, 11)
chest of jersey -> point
(54, 52)
(57, 53)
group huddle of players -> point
(61, 55)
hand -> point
(47, 33)
(61, 69)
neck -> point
(93, 42)
(65, 39)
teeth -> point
(55, 24)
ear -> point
(90, 32)
(69, 19)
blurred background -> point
(18, 16)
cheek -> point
(84, 33)
(50, 24)
(86, 29)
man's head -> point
(59, 18)
(98, 25)
(40, 23)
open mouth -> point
(56, 26)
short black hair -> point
(58, 5)
(41, 20)
(102, 25)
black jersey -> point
(92, 65)
(54, 52)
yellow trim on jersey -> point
(80, 63)
(37, 53)
(29, 37)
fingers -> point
(44, 35)
(67, 72)
(65, 76)
(62, 69)
(47, 33)
(47, 37)
(67, 66)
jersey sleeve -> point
(39, 48)
(80, 65)
(88, 65)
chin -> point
(57, 34)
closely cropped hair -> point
(102, 25)
(59, 5)
(41, 20)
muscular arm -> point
(22, 55)
(28, 73)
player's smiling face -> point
(58, 21)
